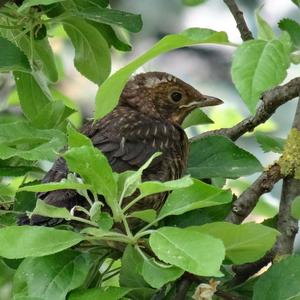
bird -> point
(147, 119)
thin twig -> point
(271, 100)
(246, 202)
(240, 21)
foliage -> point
(96, 254)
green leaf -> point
(32, 97)
(92, 56)
(198, 195)
(188, 250)
(51, 277)
(258, 66)
(77, 139)
(293, 29)
(147, 215)
(196, 117)
(270, 143)
(243, 243)
(29, 3)
(95, 170)
(129, 21)
(91, 3)
(295, 211)
(109, 92)
(200, 216)
(108, 293)
(157, 274)
(265, 31)
(192, 2)
(217, 156)
(12, 58)
(52, 115)
(111, 37)
(131, 269)
(296, 2)
(280, 282)
(152, 187)
(129, 181)
(43, 57)
(44, 209)
(26, 241)
(22, 140)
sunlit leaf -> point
(28, 241)
(190, 250)
(258, 66)
(270, 143)
(243, 243)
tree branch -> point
(240, 21)
(271, 100)
(246, 202)
(287, 225)
(182, 288)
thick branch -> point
(246, 202)
(271, 100)
(287, 225)
(240, 21)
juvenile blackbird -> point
(147, 119)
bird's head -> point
(162, 95)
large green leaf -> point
(95, 170)
(195, 196)
(22, 140)
(190, 250)
(217, 156)
(109, 16)
(280, 282)
(257, 66)
(109, 92)
(108, 293)
(12, 58)
(92, 56)
(28, 241)
(243, 243)
(51, 277)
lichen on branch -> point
(289, 162)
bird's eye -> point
(176, 96)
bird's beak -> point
(203, 101)
(209, 101)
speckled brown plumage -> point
(147, 120)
